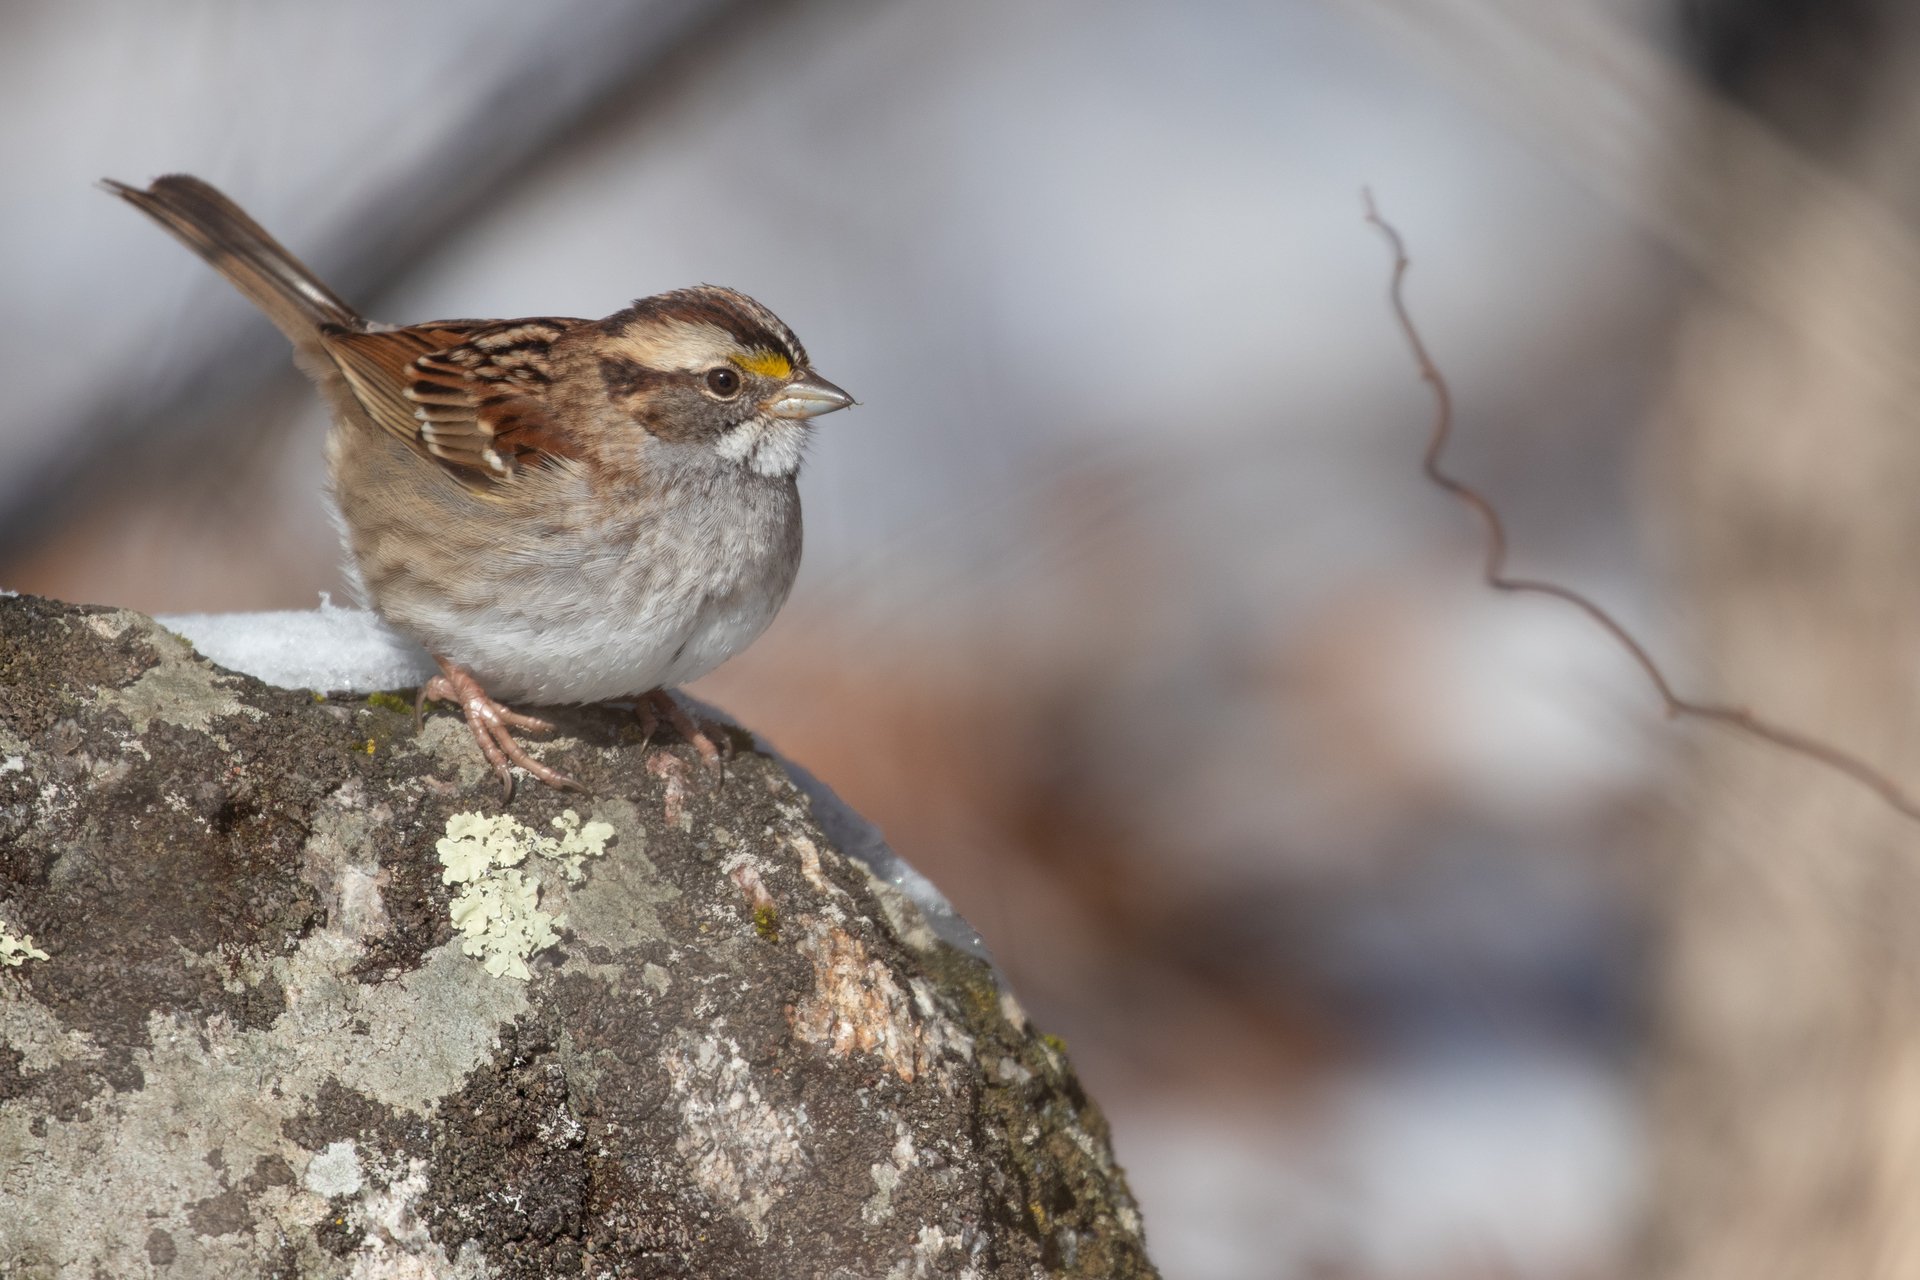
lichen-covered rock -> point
(258, 1046)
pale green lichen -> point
(16, 951)
(576, 844)
(503, 924)
(179, 691)
(498, 912)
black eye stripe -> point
(625, 377)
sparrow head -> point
(710, 366)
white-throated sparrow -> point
(559, 510)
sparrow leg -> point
(658, 705)
(491, 724)
(649, 720)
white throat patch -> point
(771, 446)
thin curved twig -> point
(1494, 570)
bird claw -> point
(660, 704)
(491, 725)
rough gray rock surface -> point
(256, 1046)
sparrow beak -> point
(807, 396)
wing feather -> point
(469, 394)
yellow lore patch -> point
(768, 364)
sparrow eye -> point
(723, 382)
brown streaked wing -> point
(469, 394)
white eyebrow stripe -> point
(677, 344)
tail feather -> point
(238, 248)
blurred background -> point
(1396, 932)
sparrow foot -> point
(660, 705)
(492, 726)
